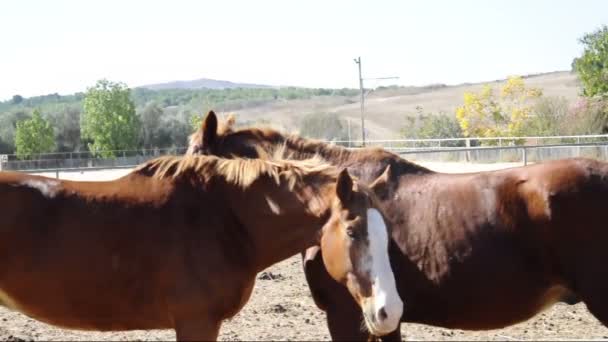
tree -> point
(550, 118)
(17, 99)
(488, 115)
(589, 115)
(432, 126)
(66, 122)
(196, 120)
(34, 136)
(109, 118)
(8, 125)
(150, 122)
(592, 66)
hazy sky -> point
(65, 46)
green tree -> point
(8, 125)
(549, 117)
(17, 99)
(433, 126)
(592, 66)
(34, 136)
(66, 122)
(150, 118)
(196, 120)
(109, 118)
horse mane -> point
(240, 172)
(303, 148)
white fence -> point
(401, 144)
(505, 149)
(496, 154)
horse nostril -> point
(382, 314)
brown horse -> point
(470, 251)
(177, 243)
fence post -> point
(525, 155)
(468, 153)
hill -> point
(385, 108)
(168, 108)
(202, 83)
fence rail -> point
(523, 153)
(595, 146)
(528, 140)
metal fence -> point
(402, 144)
(500, 149)
(496, 154)
(84, 160)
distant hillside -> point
(202, 83)
(174, 105)
(387, 107)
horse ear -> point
(344, 187)
(381, 184)
(209, 128)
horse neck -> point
(366, 164)
(280, 222)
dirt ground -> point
(281, 309)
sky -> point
(64, 46)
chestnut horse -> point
(469, 251)
(177, 243)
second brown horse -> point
(470, 251)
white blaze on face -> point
(384, 290)
(48, 188)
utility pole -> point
(358, 61)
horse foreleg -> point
(595, 296)
(197, 329)
(346, 324)
(592, 288)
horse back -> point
(110, 255)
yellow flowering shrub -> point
(484, 114)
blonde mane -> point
(239, 171)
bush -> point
(548, 117)
(433, 126)
(588, 116)
(325, 126)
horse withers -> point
(471, 251)
(177, 243)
